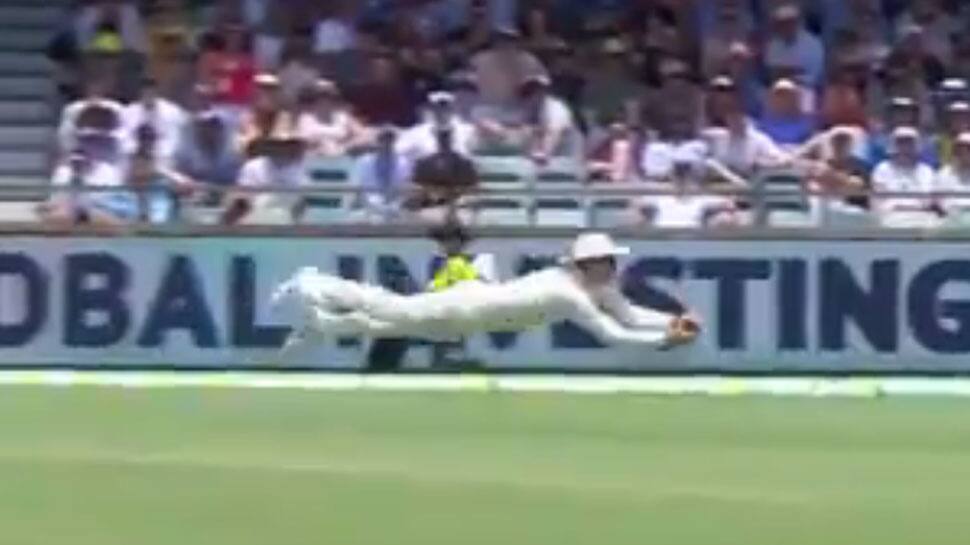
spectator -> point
(337, 32)
(903, 171)
(266, 120)
(913, 55)
(502, 70)
(206, 156)
(226, 66)
(96, 111)
(329, 129)
(955, 177)
(729, 23)
(902, 112)
(614, 88)
(383, 178)
(441, 180)
(790, 44)
(298, 71)
(936, 27)
(111, 26)
(613, 157)
(550, 128)
(81, 168)
(845, 172)
(282, 167)
(165, 117)
(686, 208)
(957, 123)
(784, 120)
(422, 139)
(157, 188)
(385, 98)
(740, 67)
(843, 98)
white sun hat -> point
(594, 246)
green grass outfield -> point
(113, 466)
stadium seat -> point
(561, 171)
(559, 212)
(500, 211)
(503, 172)
(607, 213)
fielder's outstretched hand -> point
(683, 329)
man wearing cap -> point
(583, 290)
(955, 177)
(904, 172)
(791, 44)
(282, 166)
(422, 139)
(784, 119)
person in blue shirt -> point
(901, 112)
(784, 119)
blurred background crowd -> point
(187, 99)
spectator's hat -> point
(614, 46)
(267, 79)
(722, 83)
(902, 103)
(954, 85)
(739, 49)
(441, 98)
(959, 106)
(963, 139)
(785, 85)
(912, 29)
(589, 246)
(325, 87)
(786, 12)
(534, 83)
(905, 133)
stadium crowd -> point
(187, 99)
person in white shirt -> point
(166, 118)
(80, 169)
(328, 127)
(383, 178)
(549, 123)
(955, 177)
(742, 148)
(422, 140)
(904, 172)
(687, 208)
(95, 111)
(283, 167)
(583, 290)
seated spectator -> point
(845, 171)
(83, 169)
(912, 55)
(741, 68)
(903, 171)
(615, 86)
(226, 66)
(550, 129)
(157, 188)
(730, 23)
(440, 182)
(687, 208)
(337, 31)
(843, 98)
(957, 118)
(784, 119)
(383, 178)
(329, 129)
(111, 26)
(791, 44)
(422, 140)
(206, 156)
(902, 112)
(165, 117)
(281, 166)
(385, 97)
(96, 111)
(298, 70)
(501, 71)
(955, 177)
(937, 27)
(265, 120)
(613, 157)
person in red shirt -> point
(227, 66)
